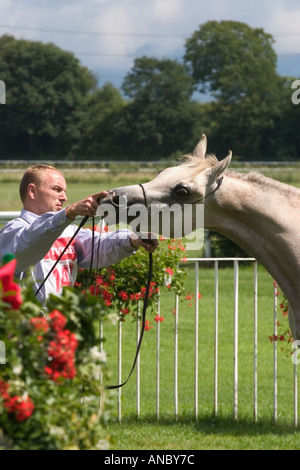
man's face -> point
(50, 194)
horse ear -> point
(220, 167)
(200, 149)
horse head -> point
(175, 191)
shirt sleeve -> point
(30, 242)
(109, 248)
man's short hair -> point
(33, 174)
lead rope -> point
(150, 271)
(145, 304)
(82, 223)
(112, 387)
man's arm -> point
(87, 206)
(30, 238)
(110, 247)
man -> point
(44, 228)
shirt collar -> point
(28, 216)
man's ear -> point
(31, 190)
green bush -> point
(50, 373)
(52, 368)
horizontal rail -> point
(86, 163)
(6, 216)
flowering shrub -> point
(22, 407)
(50, 379)
(122, 286)
(284, 334)
(50, 382)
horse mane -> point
(193, 161)
(260, 179)
(255, 177)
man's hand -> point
(87, 206)
(148, 242)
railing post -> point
(275, 355)
(255, 344)
(235, 354)
(216, 336)
(196, 336)
(295, 396)
(119, 366)
(158, 358)
(176, 358)
(138, 333)
(101, 349)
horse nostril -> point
(117, 200)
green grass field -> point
(209, 431)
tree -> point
(284, 141)
(46, 90)
(154, 80)
(103, 108)
(237, 64)
(161, 118)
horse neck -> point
(262, 217)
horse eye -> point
(181, 191)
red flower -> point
(159, 318)
(22, 407)
(40, 324)
(123, 295)
(58, 320)
(124, 310)
(169, 271)
(4, 389)
(13, 297)
(273, 338)
(136, 296)
(61, 356)
(147, 325)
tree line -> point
(56, 109)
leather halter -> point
(219, 182)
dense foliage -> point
(52, 364)
(50, 370)
(56, 110)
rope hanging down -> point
(112, 387)
(150, 271)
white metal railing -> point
(6, 216)
(216, 261)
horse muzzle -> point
(115, 207)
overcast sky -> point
(106, 35)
